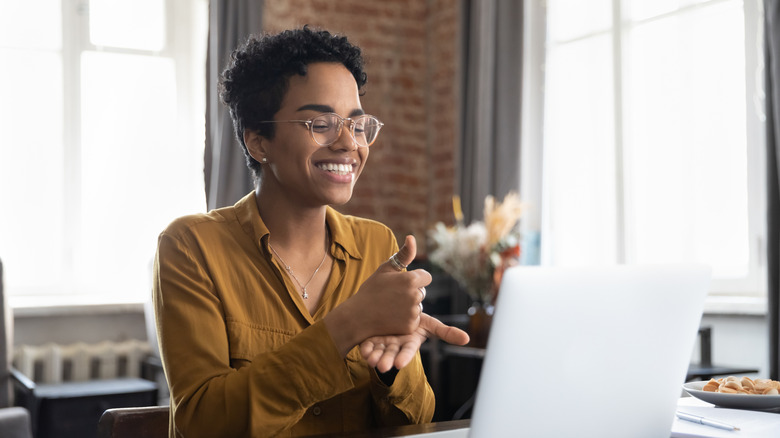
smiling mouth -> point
(338, 169)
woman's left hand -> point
(384, 352)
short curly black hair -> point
(257, 77)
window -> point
(102, 133)
(653, 136)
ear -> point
(255, 144)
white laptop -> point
(588, 352)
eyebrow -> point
(328, 109)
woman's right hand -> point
(387, 304)
(389, 300)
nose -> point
(345, 141)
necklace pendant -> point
(289, 270)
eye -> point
(322, 124)
(359, 124)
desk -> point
(754, 423)
(412, 429)
(459, 427)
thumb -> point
(448, 334)
(406, 254)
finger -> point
(448, 334)
(375, 356)
(388, 358)
(404, 256)
(408, 252)
(407, 353)
(366, 347)
(370, 346)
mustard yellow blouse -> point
(243, 356)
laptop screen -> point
(589, 351)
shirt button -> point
(316, 410)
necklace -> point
(289, 270)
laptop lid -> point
(589, 352)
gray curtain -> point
(772, 79)
(226, 174)
(489, 159)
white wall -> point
(739, 340)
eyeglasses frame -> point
(342, 120)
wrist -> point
(343, 328)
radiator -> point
(54, 363)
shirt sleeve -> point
(409, 400)
(208, 396)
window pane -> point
(569, 19)
(643, 9)
(686, 140)
(31, 24)
(579, 175)
(133, 167)
(133, 24)
(31, 170)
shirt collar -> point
(249, 218)
(341, 232)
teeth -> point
(338, 169)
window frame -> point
(184, 20)
(745, 295)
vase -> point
(480, 318)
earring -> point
(264, 160)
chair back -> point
(15, 423)
(148, 422)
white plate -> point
(734, 401)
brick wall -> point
(412, 54)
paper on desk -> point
(754, 424)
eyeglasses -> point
(325, 128)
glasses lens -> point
(365, 129)
(325, 128)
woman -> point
(279, 316)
